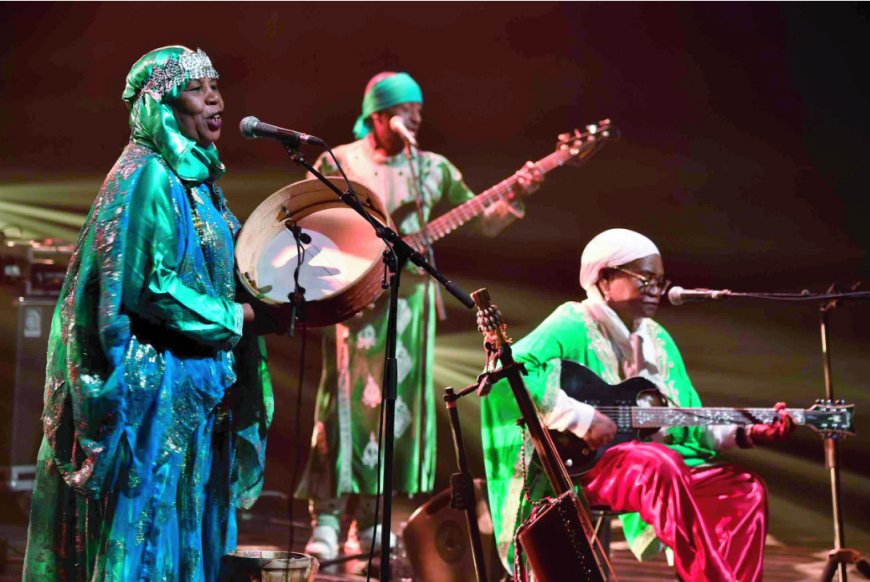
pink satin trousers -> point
(714, 518)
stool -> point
(601, 516)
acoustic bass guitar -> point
(574, 148)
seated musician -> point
(713, 515)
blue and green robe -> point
(156, 405)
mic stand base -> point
(838, 559)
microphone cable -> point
(298, 299)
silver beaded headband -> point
(177, 71)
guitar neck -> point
(663, 416)
(450, 221)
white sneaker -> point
(323, 543)
(366, 536)
(351, 544)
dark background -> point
(744, 132)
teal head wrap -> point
(156, 80)
(389, 91)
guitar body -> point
(581, 383)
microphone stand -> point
(396, 256)
(462, 492)
(840, 556)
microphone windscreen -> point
(397, 124)
(247, 126)
(675, 295)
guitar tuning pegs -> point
(841, 402)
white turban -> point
(612, 248)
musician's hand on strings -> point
(780, 430)
(511, 206)
(601, 431)
(529, 179)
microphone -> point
(297, 232)
(252, 128)
(678, 295)
(397, 124)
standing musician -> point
(711, 514)
(344, 445)
(157, 395)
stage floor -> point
(267, 527)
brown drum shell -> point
(319, 212)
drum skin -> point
(342, 266)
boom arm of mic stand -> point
(390, 236)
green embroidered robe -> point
(344, 453)
(570, 333)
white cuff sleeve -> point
(722, 437)
(569, 415)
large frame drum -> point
(342, 265)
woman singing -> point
(157, 396)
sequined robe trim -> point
(342, 356)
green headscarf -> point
(156, 80)
(393, 90)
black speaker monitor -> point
(21, 405)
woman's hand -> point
(780, 430)
(263, 318)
